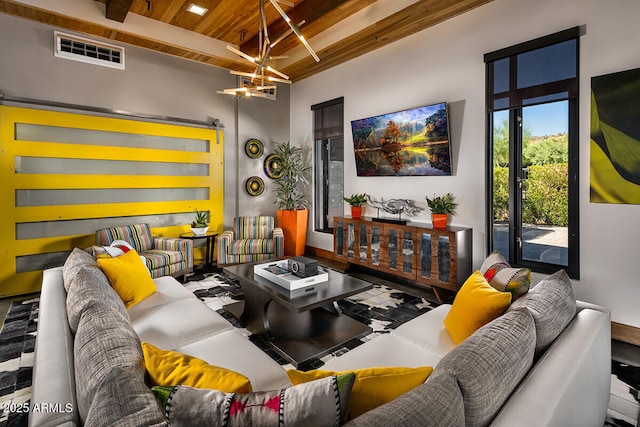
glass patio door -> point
(543, 183)
(530, 183)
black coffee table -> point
(298, 328)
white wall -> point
(154, 84)
(445, 63)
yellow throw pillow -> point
(373, 386)
(170, 368)
(129, 277)
(476, 304)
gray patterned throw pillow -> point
(319, 403)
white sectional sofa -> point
(496, 377)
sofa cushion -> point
(76, 260)
(513, 280)
(436, 403)
(251, 246)
(239, 355)
(169, 368)
(385, 350)
(86, 285)
(138, 408)
(253, 227)
(128, 277)
(177, 323)
(158, 258)
(552, 304)
(489, 364)
(476, 304)
(492, 264)
(503, 277)
(108, 358)
(318, 403)
(89, 286)
(373, 386)
(427, 331)
(168, 290)
(138, 235)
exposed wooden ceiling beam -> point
(317, 14)
(118, 9)
(417, 17)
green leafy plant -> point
(290, 189)
(356, 199)
(442, 204)
(201, 220)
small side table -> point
(209, 249)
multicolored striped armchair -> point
(165, 256)
(253, 238)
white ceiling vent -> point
(86, 50)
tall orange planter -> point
(294, 227)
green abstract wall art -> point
(615, 138)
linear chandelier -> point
(261, 82)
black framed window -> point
(328, 126)
(532, 193)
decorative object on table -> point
(291, 198)
(406, 143)
(282, 274)
(393, 206)
(199, 227)
(302, 266)
(356, 201)
(261, 82)
(273, 166)
(441, 207)
(254, 186)
(615, 138)
(254, 148)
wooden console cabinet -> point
(415, 251)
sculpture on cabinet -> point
(395, 206)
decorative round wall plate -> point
(254, 148)
(254, 186)
(273, 166)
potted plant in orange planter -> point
(356, 201)
(441, 207)
(291, 198)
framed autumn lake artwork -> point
(615, 138)
(412, 142)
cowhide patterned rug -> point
(382, 308)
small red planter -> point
(439, 221)
(356, 212)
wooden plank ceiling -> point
(237, 22)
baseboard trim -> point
(322, 253)
(625, 333)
